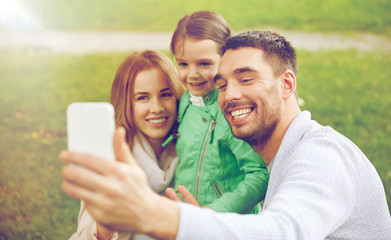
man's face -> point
(249, 94)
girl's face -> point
(154, 105)
(197, 64)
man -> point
(321, 185)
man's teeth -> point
(240, 113)
(159, 120)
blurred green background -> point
(348, 90)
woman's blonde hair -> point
(122, 90)
(201, 25)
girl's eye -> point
(182, 64)
(222, 86)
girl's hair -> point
(201, 25)
(122, 90)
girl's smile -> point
(197, 65)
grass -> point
(345, 89)
(350, 92)
(162, 15)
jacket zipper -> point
(211, 127)
(217, 189)
(170, 138)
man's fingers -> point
(121, 147)
(76, 191)
(187, 195)
(88, 161)
(81, 176)
(171, 194)
(98, 164)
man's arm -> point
(313, 197)
(117, 194)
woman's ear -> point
(288, 83)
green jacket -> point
(221, 171)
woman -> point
(145, 95)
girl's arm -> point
(252, 189)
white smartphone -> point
(91, 127)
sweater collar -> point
(296, 131)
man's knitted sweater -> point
(321, 187)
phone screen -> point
(90, 127)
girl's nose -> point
(193, 72)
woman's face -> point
(197, 65)
(154, 105)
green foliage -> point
(162, 15)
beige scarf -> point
(159, 179)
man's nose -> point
(232, 92)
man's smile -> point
(241, 113)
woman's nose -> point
(156, 106)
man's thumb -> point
(121, 148)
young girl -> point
(145, 95)
(220, 171)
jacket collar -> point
(208, 99)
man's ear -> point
(288, 83)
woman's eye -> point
(167, 95)
(205, 64)
(141, 98)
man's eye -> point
(246, 80)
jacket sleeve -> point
(252, 189)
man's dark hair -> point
(278, 51)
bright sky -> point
(14, 16)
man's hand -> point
(186, 194)
(117, 194)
